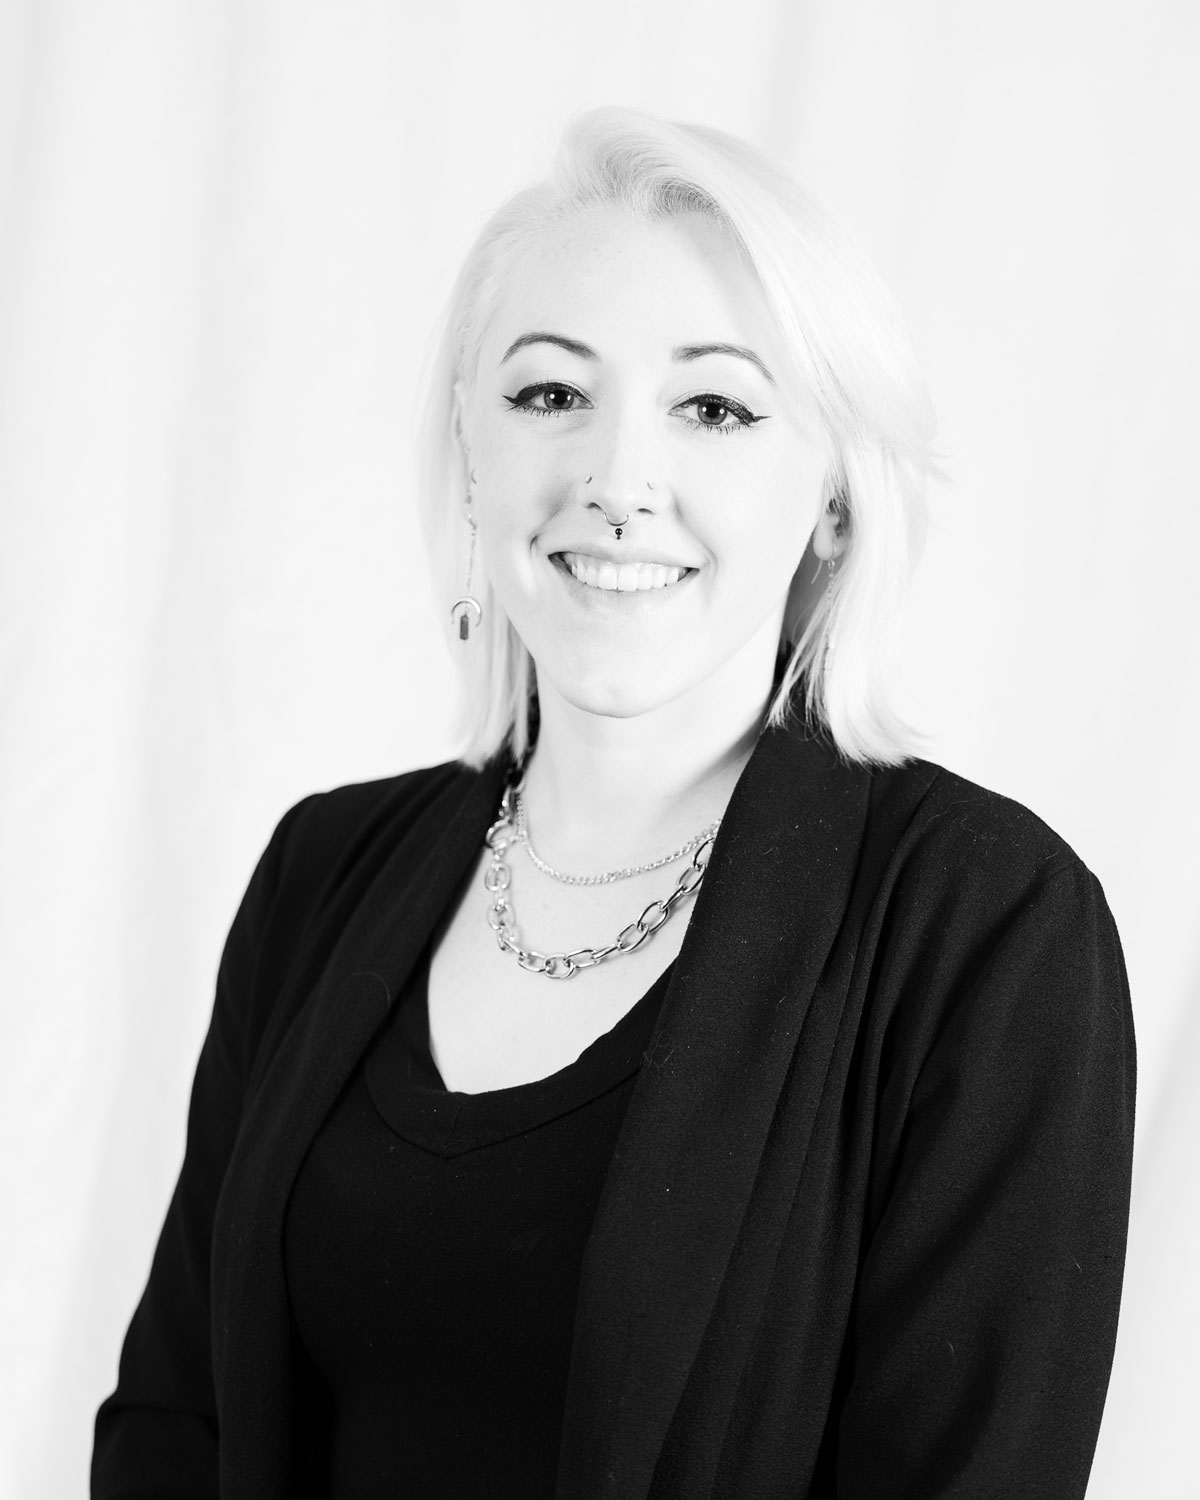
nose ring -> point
(616, 525)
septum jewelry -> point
(502, 919)
(618, 526)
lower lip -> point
(627, 601)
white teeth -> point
(628, 578)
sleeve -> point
(986, 1310)
(156, 1434)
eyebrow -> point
(682, 354)
(572, 346)
(697, 351)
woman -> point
(687, 1092)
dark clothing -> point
(863, 1230)
(433, 1244)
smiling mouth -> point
(619, 578)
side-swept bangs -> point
(849, 346)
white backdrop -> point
(226, 226)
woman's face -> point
(634, 370)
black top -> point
(862, 1232)
(433, 1244)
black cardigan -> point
(863, 1233)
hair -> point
(849, 345)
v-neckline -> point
(411, 1096)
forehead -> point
(615, 282)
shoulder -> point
(326, 822)
(328, 846)
(983, 912)
(962, 884)
(932, 831)
(321, 859)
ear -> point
(831, 531)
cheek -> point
(510, 496)
(518, 480)
(775, 511)
(504, 531)
(512, 509)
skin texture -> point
(737, 503)
(650, 701)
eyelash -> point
(745, 418)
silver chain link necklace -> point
(502, 918)
(521, 825)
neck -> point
(602, 791)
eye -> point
(549, 398)
(718, 413)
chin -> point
(614, 692)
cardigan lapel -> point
(687, 1153)
(766, 917)
(329, 1033)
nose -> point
(624, 477)
(619, 520)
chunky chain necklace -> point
(521, 826)
(502, 919)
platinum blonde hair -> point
(850, 347)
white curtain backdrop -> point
(226, 227)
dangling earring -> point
(831, 624)
(462, 609)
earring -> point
(830, 618)
(831, 564)
(462, 609)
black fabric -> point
(433, 1243)
(863, 1229)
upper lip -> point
(618, 554)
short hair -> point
(849, 344)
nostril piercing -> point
(588, 480)
(649, 486)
